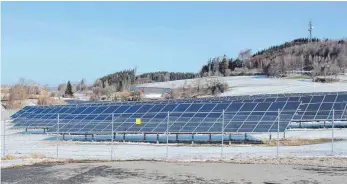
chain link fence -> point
(62, 143)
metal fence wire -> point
(172, 136)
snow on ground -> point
(19, 144)
(252, 85)
(152, 95)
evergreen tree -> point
(224, 65)
(68, 91)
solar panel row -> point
(322, 99)
(197, 116)
(223, 98)
(183, 118)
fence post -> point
(278, 131)
(167, 135)
(332, 133)
(4, 138)
(112, 133)
(58, 137)
(221, 151)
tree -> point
(81, 86)
(224, 66)
(244, 56)
(68, 91)
(18, 93)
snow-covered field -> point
(252, 85)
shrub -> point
(8, 157)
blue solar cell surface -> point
(242, 114)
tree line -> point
(163, 76)
(315, 56)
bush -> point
(8, 157)
(217, 86)
(209, 87)
(46, 100)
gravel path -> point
(166, 172)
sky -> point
(53, 42)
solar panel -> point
(184, 118)
(242, 114)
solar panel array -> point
(241, 114)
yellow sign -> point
(138, 121)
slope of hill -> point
(328, 57)
(253, 85)
(314, 57)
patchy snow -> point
(20, 144)
(152, 95)
(252, 85)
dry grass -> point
(123, 95)
(298, 142)
(8, 157)
(339, 161)
(32, 155)
(46, 100)
(37, 156)
(299, 77)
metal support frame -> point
(123, 137)
(192, 138)
(4, 139)
(58, 119)
(278, 132)
(144, 136)
(157, 138)
(167, 134)
(222, 146)
(112, 128)
(113, 136)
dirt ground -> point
(169, 172)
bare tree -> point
(245, 55)
(82, 86)
(18, 93)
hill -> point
(315, 58)
(327, 57)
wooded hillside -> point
(314, 57)
(327, 57)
